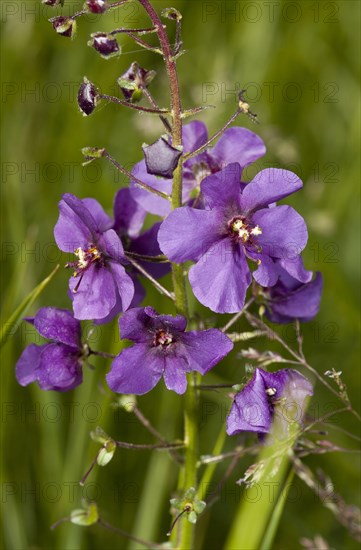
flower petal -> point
(250, 410)
(187, 233)
(59, 368)
(128, 214)
(223, 188)
(124, 285)
(204, 349)
(238, 145)
(111, 245)
(267, 272)
(221, 277)
(96, 294)
(301, 303)
(136, 370)
(102, 220)
(269, 186)
(195, 134)
(284, 232)
(295, 269)
(73, 231)
(28, 363)
(149, 201)
(175, 374)
(58, 325)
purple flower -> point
(291, 299)
(58, 364)
(100, 288)
(163, 349)
(241, 221)
(236, 145)
(254, 407)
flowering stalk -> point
(191, 405)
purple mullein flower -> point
(56, 365)
(162, 348)
(236, 145)
(254, 407)
(291, 299)
(240, 221)
(100, 288)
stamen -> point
(271, 391)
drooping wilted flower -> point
(100, 288)
(53, 2)
(134, 81)
(88, 97)
(105, 44)
(290, 299)
(254, 407)
(161, 158)
(96, 6)
(65, 26)
(237, 224)
(56, 365)
(162, 348)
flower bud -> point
(96, 6)
(105, 44)
(53, 2)
(87, 97)
(65, 26)
(161, 158)
(133, 81)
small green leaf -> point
(199, 506)
(106, 453)
(11, 326)
(99, 435)
(192, 517)
(85, 517)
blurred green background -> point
(300, 63)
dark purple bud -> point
(105, 44)
(133, 82)
(53, 2)
(96, 6)
(87, 97)
(161, 158)
(65, 26)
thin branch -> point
(147, 447)
(211, 139)
(155, 283)
(134, 178)
(161, 259)
(137, 31)
(120, 532)
(235, 318)
(146, 423)
(114, 99)
(153, 103)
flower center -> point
(163, 339)
(242, 229)
(86, 258)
